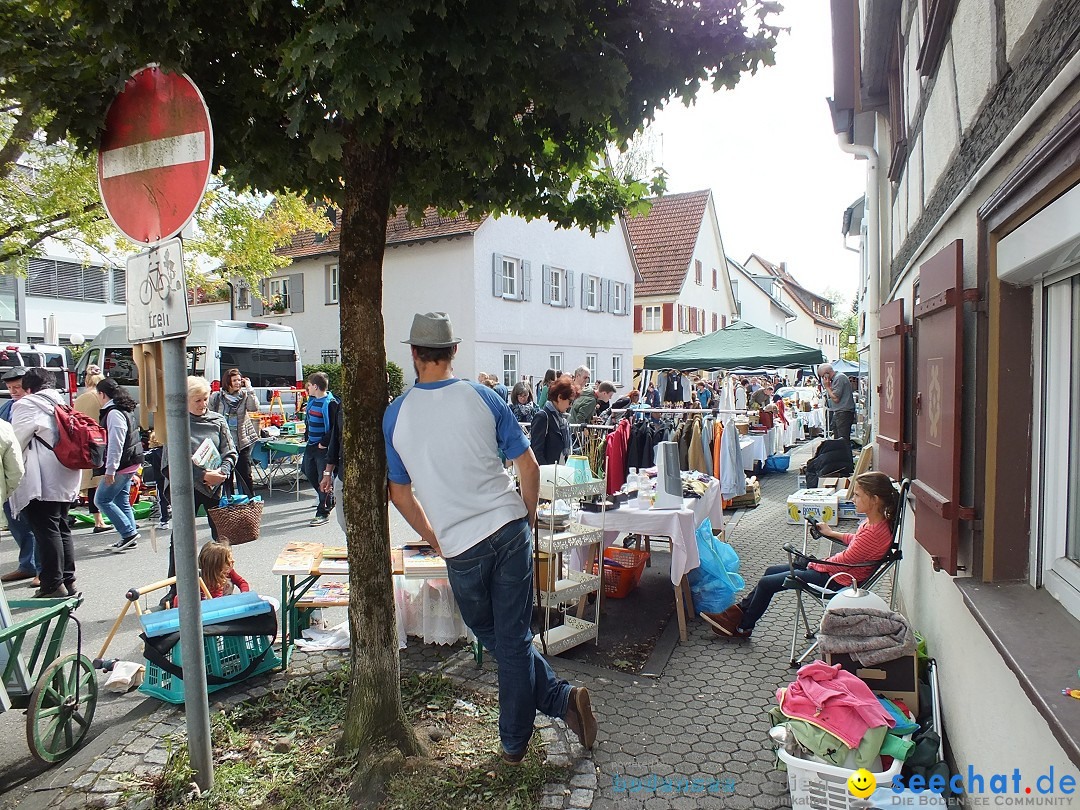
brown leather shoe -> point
(16, 576)
(579, 716)
(724, 623)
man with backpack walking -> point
(48, 487)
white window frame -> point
(278, 286)
(652, 314)
(333, 284)
(1055, 383)
(511, 276)
(510, 369)
(557, 282)
(590, 363)
(555, 362)
(591, 294)
(616, 369)
(619, 294)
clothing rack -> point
(683, 411)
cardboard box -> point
(897, 679)
(750, 499)
(818, 504)
(837, 485)
(847, 510)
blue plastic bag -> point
(715, 582)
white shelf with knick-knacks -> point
(558, 532)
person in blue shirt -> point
(454, 493)
(704, 395)
(319, 416)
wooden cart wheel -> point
(55, 721)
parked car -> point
(800, 394)
(268, 354)
(56, 359)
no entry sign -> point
(155, 155)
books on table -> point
(333, 566)
(327, 593)
(420, 559)
(335, 553)
(297, 559)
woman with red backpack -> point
(48, 487)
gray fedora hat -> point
(432, 330)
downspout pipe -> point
(873, 254)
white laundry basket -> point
(817, 786)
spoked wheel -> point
(57, 720)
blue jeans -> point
(112, 500)
(313, 465)
(492, 583)
(772, 582)
(24, 538)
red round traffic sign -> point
(155, 155)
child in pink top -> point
(875, 497)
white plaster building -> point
(685, 290)
(523, 296)
(814, 325)
(967, 114)
(759, 300)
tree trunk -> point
(376, 725)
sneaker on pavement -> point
(319, 520)
(126, 543)
(41, 593)
(164, 525)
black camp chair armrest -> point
(798, 559)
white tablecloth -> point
(426, 608)
(754, 448)
(791, 432)
(776, 439)
(678, 524)
(813, 419)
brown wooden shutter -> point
(715, 321)
(693, 319)
(938, 381)
(892, 389)
(723, 321)
(669, 317)
(638, 325)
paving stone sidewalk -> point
(702, 719)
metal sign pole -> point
(181, 482)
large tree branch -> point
(21, 134)
(33, 242)
(61, 217)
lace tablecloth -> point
(426, 608)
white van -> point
(56, 359)
(268, 354)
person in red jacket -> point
(216, 565)
(875, 497)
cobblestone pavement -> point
(702, 719)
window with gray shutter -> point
(94, 284)
(526, 281)
(119, 285)
(568, 300)
(257, 307)
(497, 288)
(41, 277)
(68, 280)
(545, 292)
(296, 292)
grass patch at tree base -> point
(279, 751)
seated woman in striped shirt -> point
(875, 497)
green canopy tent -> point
(738, 345)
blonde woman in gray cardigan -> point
(235, 401)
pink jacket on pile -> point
(835, 700)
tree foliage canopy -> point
(486, 106)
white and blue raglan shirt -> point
(444, 438)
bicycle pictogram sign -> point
(157, 293)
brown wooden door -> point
(892, 389)
(938, 382)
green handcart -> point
(58, 693)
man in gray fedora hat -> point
(443, 438)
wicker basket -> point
(237, 523)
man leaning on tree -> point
(443, 438)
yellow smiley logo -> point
(861, 783)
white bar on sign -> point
(139, 157)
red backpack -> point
(80, 441)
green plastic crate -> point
(225, 656)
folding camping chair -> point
(799, 560)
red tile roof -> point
(664, 240)
(398, 231)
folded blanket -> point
(868, 635)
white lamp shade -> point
(856, 598)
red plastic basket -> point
(622, 571)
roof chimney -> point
(783, 268)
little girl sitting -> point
(216, 564)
